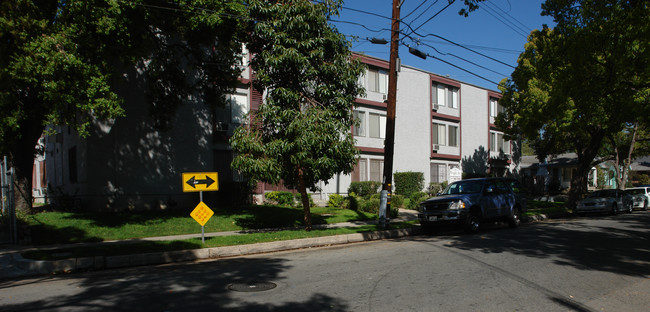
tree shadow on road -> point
(590, 247)
(181, 287)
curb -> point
(21, 267)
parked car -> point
(612, 201)
(471, 202)
(641, 197)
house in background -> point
(555, 173)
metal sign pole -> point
(202, 226)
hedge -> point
(407, 183)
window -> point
(376, 170)
(238, 106)
(377, 125)
(360, 129)
(438, 134)
(377, 80)
(498, 144)
(438, 173)
(493, 141)
(453, 136)
(443, 95)
(495, 108)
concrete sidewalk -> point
(13, 265)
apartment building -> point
(444, 128)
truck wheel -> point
(515, 218)
(473, 222)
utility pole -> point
(389, 142)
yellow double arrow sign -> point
(200, 181)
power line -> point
(359, 24)
(421, 13)
(516, 29)
(432, 17)
(524, 27)
(463, 59)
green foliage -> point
(435, 188)
(575, 89)
(364, 189)
(397, 201)
(370, 205)
(282, 198)
(406, 183)
(415, 200)
(351, 202)
(301, 133)
(336, 201)
(65, 62)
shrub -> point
(406, 183)
(351, 202)
(364, 189)
(415, 200)
(336, 201)
(435, 188)
(394, 212)
(282, 198)
(369, 205)
(397, 201)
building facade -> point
(443, 128)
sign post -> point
(199, 182)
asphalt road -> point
(596, 263)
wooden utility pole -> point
(389, 142)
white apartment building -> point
(444, 128)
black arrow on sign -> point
(193, 182)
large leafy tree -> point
(60, 63)
(301, 133)
(581, 82)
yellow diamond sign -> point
(202, 213)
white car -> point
(612, 201)
(641, 196)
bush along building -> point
(444, 129)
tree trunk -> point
(21, 160)
(305, 200)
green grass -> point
(69, 227)
(219, 241)
(536, 207)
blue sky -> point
(497, 30)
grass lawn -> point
(220, 241)
(69, 227)
(536, 207)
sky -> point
(480, 49)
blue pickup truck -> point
(471, 202)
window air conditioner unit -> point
(436, 147)
(435, 107)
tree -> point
(301, 133)
(623, 147)
(61, 60)
(579, 83)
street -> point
(592, 263)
